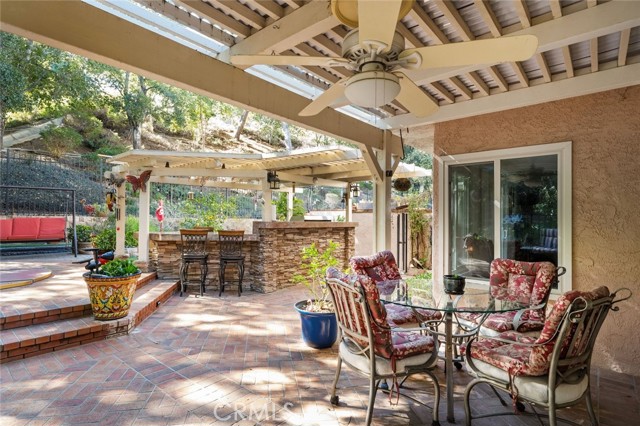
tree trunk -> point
(243, 120)
(287, 135)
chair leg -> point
(183, 276)
(592, 414)
(221, 278)
(203, 276)
(373, 388)
(241, 271)
(334, 398)
(436, 399)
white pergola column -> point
(290, 194)
(267, 207)
(143, 230)
(121, 211)
(382, 202)
(348, 204)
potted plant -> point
(317, 317)
(111, 288)
(84, 234)
(454, 284)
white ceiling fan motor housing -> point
(372, 89)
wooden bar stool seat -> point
(231, 253)
(194, 251)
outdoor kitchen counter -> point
(272, 252)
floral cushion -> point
(380, 327)
(524, 282)
(381, 266)
(523, 360)
(410, 343)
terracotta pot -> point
(111, 297)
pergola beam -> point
(557, 33)
(302, 24)
(606, 79)
(80, 28)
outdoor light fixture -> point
(166, 164)
(274, 181)
(190, 195)
(355, 190)
(372, 88)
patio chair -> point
(231, 253)
(523, 282)
(194, 251)
(371, 347)
(382, 267)
(552, 370)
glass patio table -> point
(472, 301)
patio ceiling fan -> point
(376, 52)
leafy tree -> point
(41, 81)
(207, 210)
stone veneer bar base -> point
(272, 252)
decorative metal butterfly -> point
(115, 180)
(139, 183)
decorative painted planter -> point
(111, 297)
(454, 284)
(319, 329)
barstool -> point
(194, 251)
(231, 252)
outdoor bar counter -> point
(272, 252)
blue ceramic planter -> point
(319, 329)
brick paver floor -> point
(232, 361)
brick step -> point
(36, 339)
(63, 310)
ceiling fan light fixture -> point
(372, 89)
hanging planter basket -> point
(402, 184)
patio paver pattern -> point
(235, 361)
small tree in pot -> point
(318, 320)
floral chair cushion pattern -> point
(524, 282)
(383, 269)
(381, 266)
(522, 355)
(387, 344)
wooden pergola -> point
(334, 167)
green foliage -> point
(43, 81)
(83, 232)
(207, 210)
(119, 268)
(60, 140)
(105, 233)
(314, 270)
(282, 207)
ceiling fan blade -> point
(506, 49)
(413, 98)
(326, 99)
(377, 21)
(287, 60)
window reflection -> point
(529, 208)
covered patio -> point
(229, 360)
(578, 94)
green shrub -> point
(82, 231)
(60, 140)
(119, 268)
(314, 270)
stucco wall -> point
(605, 132)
